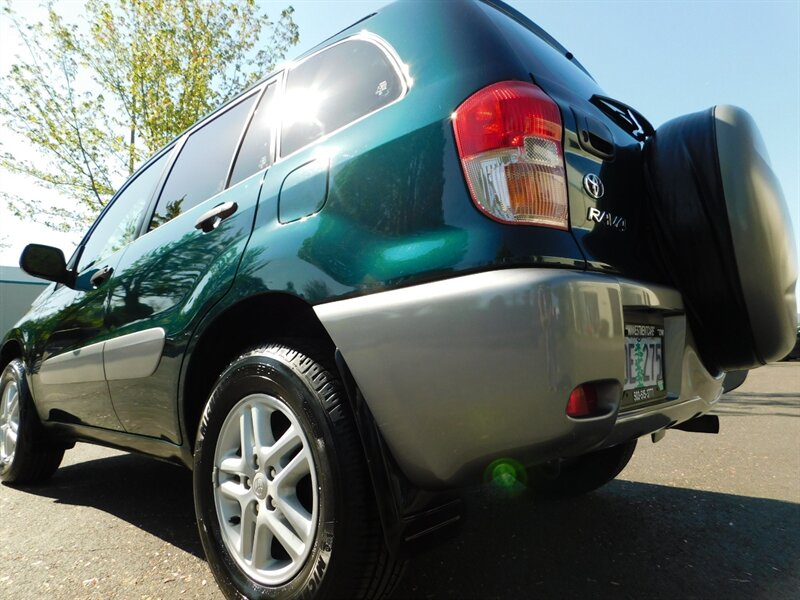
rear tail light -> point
(582, 401)
(509, 139)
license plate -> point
(644, 364)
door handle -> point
(210, 220)
(100, 277)
(594, 136)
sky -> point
(665, 58)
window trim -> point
(255, 92)
(278, 81)
(76, 257)
(394, 60)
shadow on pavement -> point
(627, 540)
(758, 404)
(153, 495)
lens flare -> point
(507, 475)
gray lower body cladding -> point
(460, 372)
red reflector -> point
(582, 401)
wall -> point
(17, 291)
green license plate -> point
(644, 364)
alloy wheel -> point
(265, 489)
(9, 422)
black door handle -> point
(210, 220)
(594, 136)
(101, 276)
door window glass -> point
(256, 151)
(334, 88)
(201, 168)
(118, 225)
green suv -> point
(428, 252)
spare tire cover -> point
(723, 234)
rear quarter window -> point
(256, 151)
(334, 88)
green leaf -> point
(96, 100)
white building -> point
(17, 291)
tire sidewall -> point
(271, 374)
(15, 371)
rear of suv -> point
(431, 250)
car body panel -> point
(133, 356)
(462, 371)
(168, 279)
(66, 331)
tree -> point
(95, 100)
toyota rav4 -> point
(429, 251)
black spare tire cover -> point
(722, 233)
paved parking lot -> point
(694, 516)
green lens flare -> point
(507, 474)
(504, 474)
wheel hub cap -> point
(260, 486)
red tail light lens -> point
(509, 139)
(582, 401)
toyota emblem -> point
(593, 186)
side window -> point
(117, 227)
(334, 88)
(201, 168)
(256, 151)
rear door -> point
(175, 272)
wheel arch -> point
(272, 316)
(406, 513)
(11, 349)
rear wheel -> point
(26, 456)
(583, 474)
(282, 495)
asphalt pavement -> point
(693, 516)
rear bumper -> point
(460, 372)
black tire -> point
(347, 556)
(723, 235)
(582, 474)
(32, 458)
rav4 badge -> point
(606, 218)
